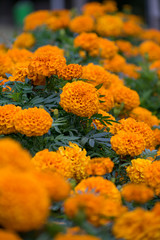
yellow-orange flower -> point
(156, 133)
(99, 185)
(150, 48)
(19, 55)
(108, 99)
(55, 22)
(107, 48)
(100, 166)
(22, 196)
(136, 170)
(69, 236)
(20, 72)
(110, 6)
(109, 25)
(7, 115)
(93, 9)
(82, 24)
(131, 28)
(49, 49)
(128, 143)
(114, 64)
(70, 71)
(6, 235)
(24, 40)
(80, 98)
(6, 65)
(139, 193)
(33, 121)
(131, 70)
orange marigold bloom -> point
(108, 99)
(49, 49)
(156, 133)
(131, 28)
(6, 65)
(109, 25)
(82, 24)
(150, 48)
(144, 115)
(100, 166)
(107, 48)
(13, 155)
(114, 64)
(20, 72)
(22, 196)
(44, 160)
(110, 6)
(88, 202)
(7, 115)
(33, 122)
(128, 143)
(56, 22)
(80, 98)
(3, 82)
(78, 160)
(46, 64)
(139, 193)
(93, 9)
(69, 236)
(97, 75)
(131, 70)
(129, 97)
(125, 47)
(24, 40)
(19, 55)
(35, 19)
(151, 34)
(99, 185)
(156, 66)
(70, 71)
(6, 235)
(136, 170)
(88, 42)
(52, 182)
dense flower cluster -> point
(70, 71)
(82, 24)
(100, 166)
(24, 40)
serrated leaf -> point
(91, 142)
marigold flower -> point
(69, 236)
(13, 155)
(128, 143)
(136, 170)
(78, 160)
(20, 72)
(137, 224)
(156, 133)
(107, 48)
(24, 40)
(35, 19)
(82, 24)
(19, 55)
(88, 202)
(151, 34)
(7, 115)
(109, 25)
(15, 210)
(131, 28)
(33, 121)
(110, 6)
(80, 98)
(57, 22)
(129, 97)
(100, 166)
(131, 70)
(93, 9)
(114, 64)
(97, 75)
(156, 66)
(150, 48)
(6, 235)
(70, 71)
(52, 160)
(108, 99)
(58, 189)
(6, 65)
(99, 185)
(139, 193)
(49, 49)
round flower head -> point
(131, 70)
(82, 24)
(24, 203)
(97, 208)
(128, 143)
(33, 122)
(20, 72)
(125, 47)
(6, 235)
(6, 65)
(44, 160)
(139, 193)
(100, 166)
(68, 236)
(80, 98)
(131, 28)
(115, 64)
(99, 185)
(58, 188)
(93, 9)
(70, 71)
(35, 19)
(151, 34)
(97, 75)
(110, 6)
(151, 49)
(13, 155)
(109, 25)
(125, 95)
(24, 40)
(56, 22)
(78, 160)
(156, 133)
(136, 170)
(107, 48)
(7, 115)
(108, 99)
(19, 55)
(49, 49)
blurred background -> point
(12, 12)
